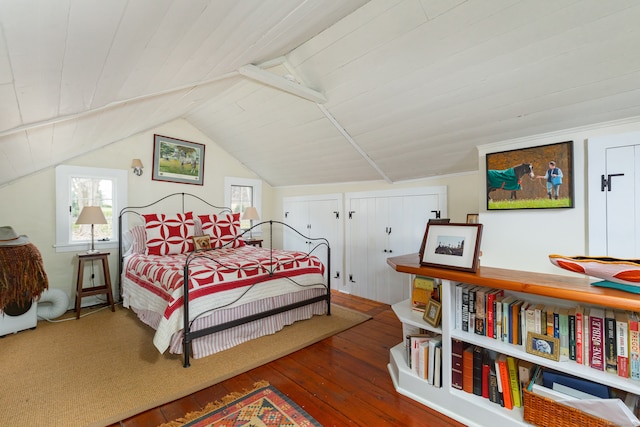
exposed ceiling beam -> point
(355, 145)
(64, 118)
(258, 74)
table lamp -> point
(91, 215)
(250, 213)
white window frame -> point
(64, 175)
(257, 195)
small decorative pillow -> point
(138, 240)
(224, 230)
(169, 234)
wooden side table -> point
(94, 290)
(254, 242)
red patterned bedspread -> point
(210, 274)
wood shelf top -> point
(548, 285)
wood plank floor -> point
(340, 381)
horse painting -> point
(508, 179)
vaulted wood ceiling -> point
(312, 91)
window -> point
(77, 187)
(240, 193)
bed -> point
(204, 300)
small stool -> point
(95, 290)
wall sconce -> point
(136, 164)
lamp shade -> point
(250, 213)
(136, 163)
(91, 215)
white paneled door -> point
(614, 195)
(380, 225)
(317, 217)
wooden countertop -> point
(548, 285)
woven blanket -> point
(22, 275)
(505, 179)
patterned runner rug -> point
(264, 406)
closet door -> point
(325, 221)
(381, 225)
(296, 214)
(614, 195)
(317, 217)
(360, 218)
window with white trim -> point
(78, 186)
(239, 194)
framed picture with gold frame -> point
(543, 346)
(433, 313)
(201, 242)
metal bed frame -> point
(188, 334)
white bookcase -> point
(474, 410)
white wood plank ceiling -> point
(312, 91)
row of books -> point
(604, 339)
(483, 372)
(424, 356)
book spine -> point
(467, 369)
(563, 328)
(465, 309)
(491, 323)
(513, 381)
(486, 372)
(506, 385)
(477, 371)
(586, 338)
(579, 336)
(611, 358)
(622, 339)
(596, 331)
(498, 319)
(493, 387)
(472, 310)
(459, 288)
(537, 319)
(572, 334)
(550, 311)
(457, 348)
(480, 312)
(634, 348)
(530, 321)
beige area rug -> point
(104, 368)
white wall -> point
(511, 239)
(523, 239)
(28, 205)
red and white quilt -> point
(155, 282)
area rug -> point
(103, 368)
(265, 406)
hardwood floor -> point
(340, 381)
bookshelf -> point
(539, 287)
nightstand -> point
(254, 242)
(94, 290)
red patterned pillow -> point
(224, 230)
(169, 234)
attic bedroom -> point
(381, 114)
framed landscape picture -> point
(175, 160)
(531, 178)
(453, 246)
